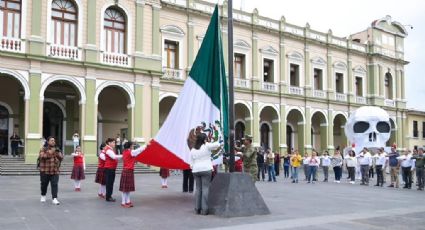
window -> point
(415, 128)
(423, 129)
(239, 68)
(171, 49)
(268, 70)
(10, 14)
(359, 86)
(115, 28)
(294, 75)
(339, 83)
(64, 23)
(388, 86)
(318, 79)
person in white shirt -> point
(351, 163)
(201, 164)
(406, 167)
(380, 160)
(365, 159)
(76, 140)
(313, 164)
(326, 162)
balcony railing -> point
(340, 97)
(361, 100)
(319, 94)
(296, 90)
(268, 86)
(389, 102)
(64, 52)
(115, 59)
(12, 45)
(242, 83)
(170, 73)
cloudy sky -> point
(348, 17)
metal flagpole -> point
(231, 98)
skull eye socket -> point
(361, 127)
(383, 127)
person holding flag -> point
(127, 175)
(203, 100)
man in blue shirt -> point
(394, 166)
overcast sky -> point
(348, 17)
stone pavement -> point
(293, 206)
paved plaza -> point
(293, 206)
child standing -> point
(100, 173)
(164, 174)
(78, 169)
(127, 175)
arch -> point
(70, 79)
(20, 78)
(129, 25)
(295, 108)
(61, 107)
(172, 30)
(248, 106)
(393, 124)
(295, 55)
(7, 106)
(274, 107)
(344, 114)
(321, 112)
(121, 85)
(167, 94)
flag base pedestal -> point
(235, 195)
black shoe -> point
(293, 181)
(110, 199)
(376, 184)
(390, 186)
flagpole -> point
(231, 98)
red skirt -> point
(100, 176)
(164, 173)
(78, 173)
(127, 181)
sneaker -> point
(338, 181)
(55, 201)
(43, 199)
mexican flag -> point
(200, 107)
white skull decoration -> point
(369, 127)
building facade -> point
(108, 67)
(416, 129)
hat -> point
(247, 137)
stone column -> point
(36, 40)
(34, 116)
(154, 106)
(351, 94)
(138, 113)
(255, 124)
(89, 122)
(330, 143)
(330, 77)
(307, 76)
(282, 127)
(70, 119)
(256, 78)
(283, 78)
(324, 130)
(91, 48)
(191, 43)
(307, 130)
(276, 135)
(156, 46)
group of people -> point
(362, 165)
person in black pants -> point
(188, 180)
(260, 164)
(111, 162)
